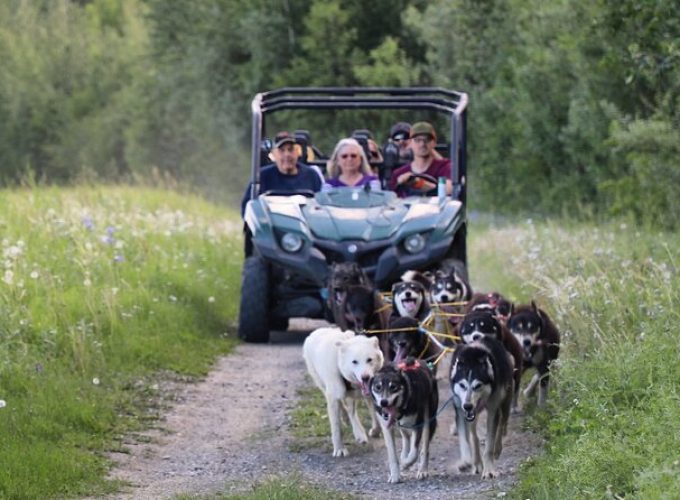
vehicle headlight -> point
(414, 243)
(291, 242)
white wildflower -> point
(13, 252)
(95, 381)
(3, 403)
(35, 275)
(8, 277)
(211, 299)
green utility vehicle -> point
(291, 239)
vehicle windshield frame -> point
(452, 104)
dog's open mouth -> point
(470, 415)
(339, 296)
(400, 355)
(365, 389)
(409, 304)
(389, 413)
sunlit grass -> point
(100, 290)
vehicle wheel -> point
(253, 324)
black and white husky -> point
(409, 297)
(448, 287)
(480, 323)
(405, 395)
(540, 341)
(481, 379)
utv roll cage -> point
(447, 102)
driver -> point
(287, 173)
(425, 161)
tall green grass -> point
(613, 424)
(101, 290)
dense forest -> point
(574, 104)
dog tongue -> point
(400, 355)
(392, 412)
(410, 305)
(365, 390)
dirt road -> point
(230, 431)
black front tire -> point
(253, 325)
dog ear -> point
(534, 306)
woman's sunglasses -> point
(349, 155)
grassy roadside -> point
(614, 419)
(101, 289)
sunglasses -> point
(375, 154)
(349, 155)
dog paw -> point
(464, 466)
(489, 473)
(341, 452)
(421, 474)
(374, 432)
(361, 439)
(393, 478)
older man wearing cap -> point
(425, 161)
(287, 173)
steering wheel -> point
(425, 177)
(415, 177)
(307, 193)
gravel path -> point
(231, 430)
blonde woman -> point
(348, 166)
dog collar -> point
(409, 364)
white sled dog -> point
(342, 365)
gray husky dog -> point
(481, 379)
(405, 395)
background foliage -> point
(574, 104)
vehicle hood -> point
(355, 214)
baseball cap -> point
(282, 138)
(400, 131)
(423, 128)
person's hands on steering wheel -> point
(417, 181)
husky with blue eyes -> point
(481, 379)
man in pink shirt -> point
(425, 161)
